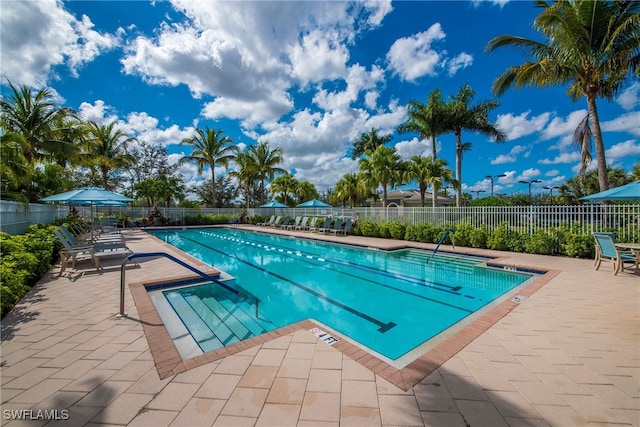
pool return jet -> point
(444, 236)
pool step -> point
(216, 323)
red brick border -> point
(168, 361)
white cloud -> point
(623, 151)
(529, 174)
(629, 122)
(39, 35)
(561, 158)
(240, 54)
(413, 147)
(414, 57)
(519, 126)
(630, 97)
(512, 157)
(357, 80)
(462, 60)
(563, 128)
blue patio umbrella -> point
(88, 196)
(314, 203)
(274, 204)
(628, 192)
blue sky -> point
(308, 77)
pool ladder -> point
(202, 274)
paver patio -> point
(568, 355)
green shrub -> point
(383, 230)
(426, 233)
(397, 229)
(369, 228)
(207, 219)
(579, 245)
(13, 287)
(479, 237)
(502, 238)
(25, 259)
(462, 234)
(411, 233)
(541, 243)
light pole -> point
(491, 177)
(478, 192)
(555, 187)
(529, 184)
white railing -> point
(624, 219)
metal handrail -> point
(202, 274)
(444, 236)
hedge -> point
(555, 241)
(25, 259)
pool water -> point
(388, 301)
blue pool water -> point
(389, 301)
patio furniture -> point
(71, 254)
(607, 250)
(336, 226)
(344, 229)
(267, 223)
(314, 228)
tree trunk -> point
(433, 147)
(599, 143)
(459, 168)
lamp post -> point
(529, 184)
(555, 187)
(491, 177)
(478, 192)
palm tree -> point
(426, 119)
(306, 191)
(427, 171)
(284, 184)
(382, 167)
(105, 151)
(15, 170)
(368, 141)
(210, 149)
(266, 162)
(460, 115)
(594, 46)
(246, 174)
(35, 116)
(350, 187)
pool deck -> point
(569, 355)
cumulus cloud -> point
(630, 97)
(512, 156)
(413, 147)
(39, 35)
(629, 122)
(415, 56)
(519, 126)
(623, 151)
(289, 43)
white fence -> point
(624, 219)
(15, 217)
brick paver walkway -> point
(568, 355)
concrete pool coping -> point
(169, 362)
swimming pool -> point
(388, 301)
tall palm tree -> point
(461, 115)
(306, 191)
(285, 185)
(350, 187)
(427, 171)
(382, 167)
(35, 116)
(593, 46)
(368, 141)
(210, 148)
(105, 151)
(266, 161)
(427, 120)
(246, 174)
